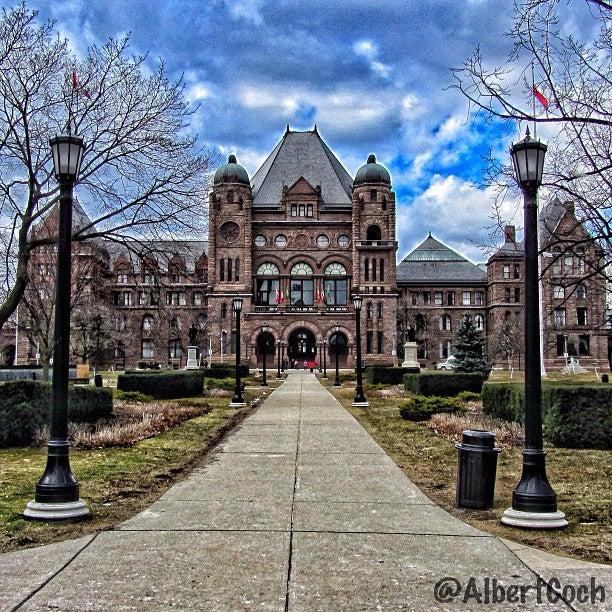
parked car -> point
(449, 364)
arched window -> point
(302, 287)
(268, 285)
(223, 310)
(369, 310)
(479, 322)
(380, 310)
(373, 233)
(581, 292)
(335, 284)
(147, 323)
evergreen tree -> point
(469, 348)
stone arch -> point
(345, 260)
(305, 324)
(306, 258)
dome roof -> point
(372, 172)
(232, 172)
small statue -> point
(411, 334)
(193, 335)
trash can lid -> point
(479, 438)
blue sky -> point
(373, 76)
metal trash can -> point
(604, 378)
(98, 380)
(477, 466)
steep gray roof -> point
(509, 249)
(549, 218)
(434, 262)
(301, 154)
(162, 250)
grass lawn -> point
(116, 482)
(581, 479)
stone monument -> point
(192, 350)
(410, 355)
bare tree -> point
(142, 174)
(507, 343)
(575, 79)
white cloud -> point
(457, 212)
(249, 10)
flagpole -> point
(533, 102)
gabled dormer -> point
(301, 200)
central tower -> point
(295, 241)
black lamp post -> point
(319, 360)
(360, 398)
(278, 359)
(336, 338)
(264, 330)
(237, 400)
(282, 355)
(324, 358)
(534, 503)
(57, 491)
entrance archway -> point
(302, 346)
(265, 343)
(338, 343)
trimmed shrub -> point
(503, 401)
(421, 408)
(220, 370)
(578, 417)
(387, 375)
(469, 396)
(164, 385)
(25, 406)
(133, 396)
(443, 383)
(573, 416)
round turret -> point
(372, 172)
(232, 172)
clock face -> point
(229, 231)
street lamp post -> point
(319, 360)
(237, 400)
(278, 359)
(57, 491)
(264, 381)
(336, 338)
(360, 399)
(282, 355)
(534, 502)
(324, 358)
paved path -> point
(299, 509)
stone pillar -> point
(410, 355)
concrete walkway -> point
(299, 509)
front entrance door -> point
(302, 347)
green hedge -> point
(25, 406)
(573, 416)
(443, 383)
(164, 385)
(221, 370)
(421, 408)
(386, 375)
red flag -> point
(540, 97)
(77, 87)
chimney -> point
(509, 234)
